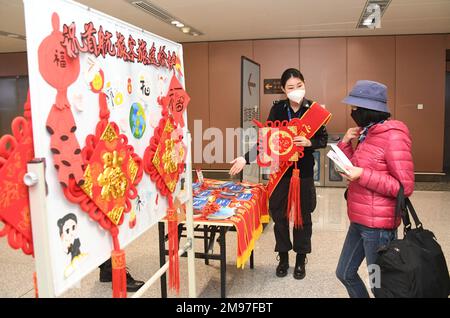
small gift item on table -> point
(222, 214)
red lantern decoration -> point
(60, 71)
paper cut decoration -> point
(60, 71)
(15, 151)
(98, 81)
(176, 101)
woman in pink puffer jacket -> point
(381, 162)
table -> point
(208, 231)
(251, 211)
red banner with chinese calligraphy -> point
(15, 152)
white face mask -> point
(297, 95)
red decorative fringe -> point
(294, 212)
(36, 291)
(119, 274)
(174, 260)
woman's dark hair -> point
(291, 72)
(369, 116)
(64, 219)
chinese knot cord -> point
(15, 152)
(174, 260)
(151, 156)
(60, 71)
(163, 162)
(102, 173)
(35, 285)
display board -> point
(134, 69)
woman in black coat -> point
(293, 85)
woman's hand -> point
(354, 173)
(302, 141)
(351, 134)
(238, 165)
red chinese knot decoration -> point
(15, 151)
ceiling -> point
(255, 19)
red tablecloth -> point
(248, 218)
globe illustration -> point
(137, 120)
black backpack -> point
(412, 267)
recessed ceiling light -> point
(372, 13)
(368, 21)
(163, 15)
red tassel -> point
(36, 291)
(119, 274)
(174, 262)
(294, 212)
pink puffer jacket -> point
(385, 155)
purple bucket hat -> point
(368, 94)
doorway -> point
(447, 117)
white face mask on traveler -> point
(297, 95)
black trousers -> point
(277, 208)
(106, 266)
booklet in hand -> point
(340, 159)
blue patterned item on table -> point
(205, 193)
(236, 188)
(244, 196)
(223, 202)
(199, 203)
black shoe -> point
(132, 284)
(283, 266)
(300, 268)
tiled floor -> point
(329, 229)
